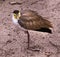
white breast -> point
(15, 21)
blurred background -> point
(13, 43)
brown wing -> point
(31, 20)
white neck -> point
(15, 21)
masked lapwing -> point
(31, 20)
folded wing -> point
(32, 21)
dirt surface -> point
(13, 43)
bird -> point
(31, 20)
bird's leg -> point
(34, 48)
(28, 39)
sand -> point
(13, 41)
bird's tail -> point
(45, 30)
(47, 23)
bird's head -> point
(16, 14)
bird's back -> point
(32, 21)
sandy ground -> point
(13, 43)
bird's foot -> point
(34, 48)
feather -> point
(32, 21)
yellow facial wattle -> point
(17, 16)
